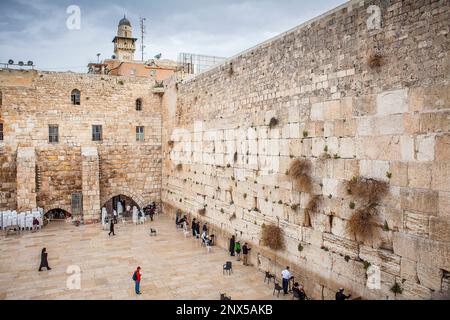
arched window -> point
(139, 105)
(76, 97)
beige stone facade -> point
(350, 117)
(99, 170)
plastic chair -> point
(228, 266)
(277, 288)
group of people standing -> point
(235, 249)
(183, 222)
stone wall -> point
(34, 100)
(352, 101)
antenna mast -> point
(143, 31)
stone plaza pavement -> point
(173, 267)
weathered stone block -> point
(392, 102)
(420, 201)
(440, 229)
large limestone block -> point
(429, 252)
(388, 125)
(442, 148)
(425, 148)
(407, 148)
(352, 270)
(332, 110)
(386, 260)
(429, 277)
(419, 175)
(414, 291)
(399, 171)
(312, 236)
(374, 169)
(340, 245)
(347, 148)
(379, 148)
(317, 112)
(417, 200)
(440, 229)
(392, 102)
(441, 176)
(444, 204)
(417, 224)
(408, 269)
(320, 222)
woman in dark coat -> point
(44, 260)
(232, 243)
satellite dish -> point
(158, 56)
(30, 63)
(21, 63)
(11, 61)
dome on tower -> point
(124, 22)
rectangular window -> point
(97, 133)
(139, 133)
(1, 131)
(133, 72)
(53, 133)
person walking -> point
(237, 248)
(44, 260)
(137, 280)
(205, 227)
(151, 212)
(287, 276)
(245, 252)
(232, 245)
(111, 228)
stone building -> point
(360, 93)
(123, 62)
(70, 136)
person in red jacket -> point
(137, 280)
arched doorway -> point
(57, 215)
(122, 204)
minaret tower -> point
(124, 43)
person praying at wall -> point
(340, 296)
(232, 245)
(287, 276)
(44, 260)
(194, 228)
(205, 227)
(245, 252)
(237, 248)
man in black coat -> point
(44, 260)
(340, 296)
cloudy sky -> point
(36, 29)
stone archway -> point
(57, 214)
(119, 191)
